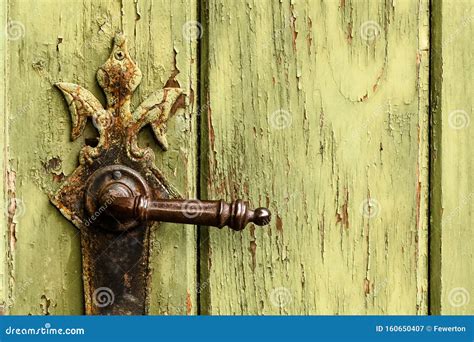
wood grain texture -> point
(452, 191)
(317, 109)
(68, 41)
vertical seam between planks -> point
(199, 102)
(430, 10)
(198, 165)
(434, 195)
(203, 154)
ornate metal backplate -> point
(115, 264)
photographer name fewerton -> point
(437, 328)
(420, 328)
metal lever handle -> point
(118, 198)
(235, 215)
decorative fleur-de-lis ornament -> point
(115, 264)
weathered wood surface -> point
(50, 41)
(318, 109)
(452, 190)
(3, 160)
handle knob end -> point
(262, 216)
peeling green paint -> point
(319, 110)
(60, 43)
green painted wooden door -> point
(349, 119)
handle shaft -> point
(236, 214)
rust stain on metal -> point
(115, 262)
(117, 192)
(58, 178)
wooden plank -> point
(319, 110)
(68, 41)
(3, 160)
(452, 256)
(165, 44)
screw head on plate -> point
(117, 174)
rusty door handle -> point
(119, 199)
(235, 215)
(116, 192)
